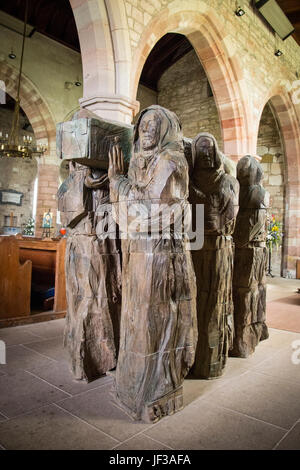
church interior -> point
(77, 81)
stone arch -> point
(121, 45)
(281, 103)
(70, 114)
(199, 23)
(106, 57)
(96, 46)
(33, 105)
(44, 129)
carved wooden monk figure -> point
(158, 321)
(218, 191)
(249, 278)
(93, 274)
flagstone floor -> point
(255, 405)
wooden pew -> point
(46, 260)
(48, 257)
(15, 280)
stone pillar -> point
(291, 238)
(112, 107)
(48, 182)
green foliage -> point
(29, 227)
(274, 234)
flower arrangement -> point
(29, 227)
(274, 233)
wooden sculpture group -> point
(138, 298)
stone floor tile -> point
(198, 389)
(96, 407)
(20, 357)
(262, 352)
(282, 366)
(21, 392)
(264, 397)
(202, 425)
(51, 428)
(141, 442)
(279, 287)
(47, 330)
(291, 440)
(17, 335)
(279, 339)
(52, 348)
(60, 375)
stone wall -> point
(146, 97)
(48, 65)
(45, 97)
(48, 178)
(185, 90)
(269, 147)
(6, 116)
(248, 34)
(19, 175)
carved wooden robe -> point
(249, 279)
(213, 264)
(93, 274)
(158, 322)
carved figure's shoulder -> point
(230, 182)
(175, 159)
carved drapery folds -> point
(93, 254)
(218, 191)
(249, 280)
(158, 321)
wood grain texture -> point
(158, 321)
(249, 280)
(60, 300)
(93, 274)
(87, 139)
(15, 280)
(48, 259)
(218, 191)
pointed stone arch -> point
(199, 23)
(282, 106)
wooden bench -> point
(46, 256)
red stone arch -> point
(44, 130)
(32, 103)
(204, 31)
(282, 105)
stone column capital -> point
(115, 107)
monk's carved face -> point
(205, 152)
(149, 131)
